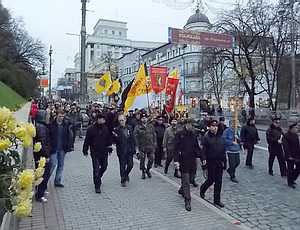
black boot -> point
(98, 190)
(166, 170)
(180, 192)
(177, 174)
(187, 205)
(148, 173)
(219, 204)
(143, 175)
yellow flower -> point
(38, 181)
(26, 179)
(5, 114)
(24, 195)
(20, 132)
(39, 172)
(42, 162)
(4, 144)
(23, 209)
(27, 141)
(31, 130)
(37, 147)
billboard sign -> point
(44, 82)
(207, 39)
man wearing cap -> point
(214, 151)
(187, 150)
(274, 137)
(98, 140)
(249, 137)
(160, 131)
(292, 154)
(221, 126)
(123, 136)
(169, 147)
(146, 142)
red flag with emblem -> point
(158, 75)
(171, 88)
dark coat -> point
(67, 137)
(97, 139)
(125, 143)
(160, 131)
(42, 136)
(187, 149)
(273, 135)
(214, 147)
(249, 135)
(291, 146)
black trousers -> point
(188, 168)
(158, 155)
(215, 173)
(42, 187)
(100, 163)
(281, 161)
(170, 157)
(234, 162)
(250, 149)
(126, 165)
(293, 171)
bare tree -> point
(29, 52)
(242, 23)
(216, 67)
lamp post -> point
(83, 80)
(50, 70)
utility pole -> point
(50, 71)
(293, 103)
(83, 80)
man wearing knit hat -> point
(292, 154)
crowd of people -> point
(155, 138)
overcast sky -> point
(50, 20)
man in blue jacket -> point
(233, 151)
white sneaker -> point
(44, 200)
(46, 193)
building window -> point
(179, 51)
(173, 53)
(113, 32)
(168, 55)
(120, 33)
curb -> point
(200, 200)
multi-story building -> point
(108, 43)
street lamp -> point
(50, 70)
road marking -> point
(199, 199)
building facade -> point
(105, 46)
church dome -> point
(197, 18)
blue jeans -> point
(57, 159)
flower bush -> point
(17, 184)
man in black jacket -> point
(249, 137)
(274, 137)
(160, 131)
(123, 136)
(98, 140)
(214, 152)
(60, 143)
(292, 154)
(187, 150)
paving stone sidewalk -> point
(144, 204)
